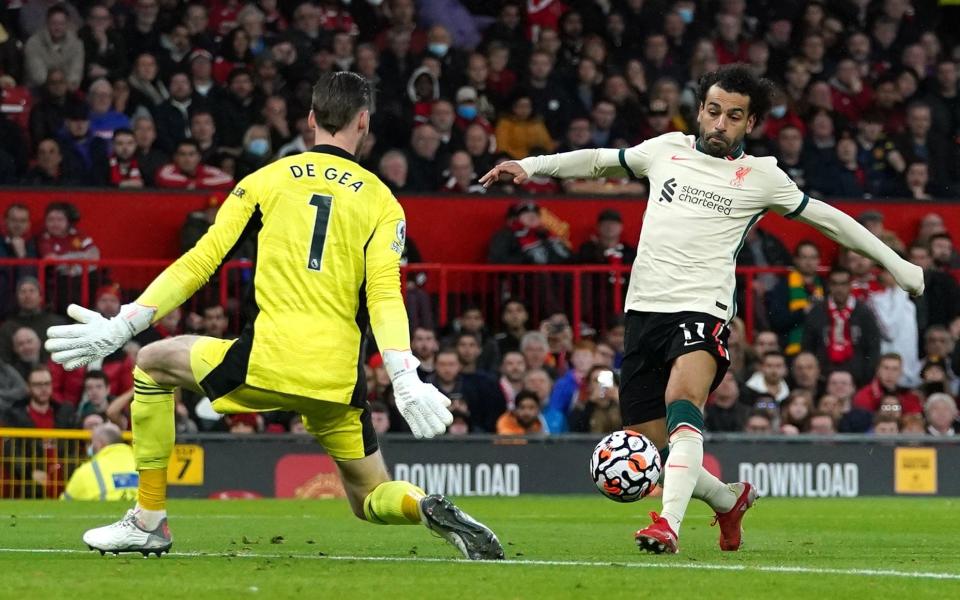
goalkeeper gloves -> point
(422, 405)
(93, 336)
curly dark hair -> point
(739, 79)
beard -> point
(718, 144)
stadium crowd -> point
(171, 94)
(183, 95)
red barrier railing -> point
(591, 294)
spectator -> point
(759, 423)
(16, 243)
(844, 175)
(54, 46)
(478, 143)
(244, 423)
(938, 347)
(523, 419)
(943, 98)
(795, 412)
(468, 351)
(897, 317)
(13, 389)
(581, 359)
(525, 240)
(791, 157)
(920, 143)
(917, 184)
(28, 351)
(479, 394)
(596, 408)
(471, 320)
(146, 87)
(887, 382)
(124, 170)
(239, 108)
(423, 174)
(424, 345)
(942, 252)
(187, 172)
(215, 321)
(535, 350)
(878, 156)
(850, 418)
(301, 142)
(822, 424)
(172, 116)
(940, 302)
(256, 153)
(548, 99)
(852, 96)
(792, 298)
(30, 312)
(96, 396)
(104, 49)
(200, 65)
(461, 176)
(724, 411)
(39, 410)
(512, 369)
(61, 240)
(539, 382)
(111, 472)
(940, 411)
(769, 380)
(886, 425)
(514, 319)
(522, 132)
(805, 372)
(149, 157)
(104, 119)
(83, 151)
(841, 332)
(46, 116)
(606, 245)
(393, 170)
(203, 130)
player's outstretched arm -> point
(93, 337)
(843, 229)
(578, 164)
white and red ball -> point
(625, 466)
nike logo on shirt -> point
(675, 157)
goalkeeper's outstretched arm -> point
(94, 337)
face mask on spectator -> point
(467, 111)
(778, 111)
(438, 49)
(258, 147)
(686, 14)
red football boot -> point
(730, 530)
(658, 537)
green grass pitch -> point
(557, 547)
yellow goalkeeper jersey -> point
(329, 239)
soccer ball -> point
(625, 466)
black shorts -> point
(652, 341)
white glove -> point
(94, 337)
(421, 404)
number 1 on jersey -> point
(324, 205)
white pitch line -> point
(545, 563)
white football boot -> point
(127, 535)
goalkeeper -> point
(329, 236)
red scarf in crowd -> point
(840, 342)
(119, 172)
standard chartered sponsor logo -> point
(706, 198)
